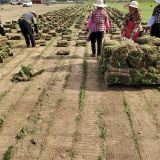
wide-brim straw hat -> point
(35, 14)
(158, 1)
(133, 4)
(100, 4)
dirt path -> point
(68, 112)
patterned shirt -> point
(132, 18)
(156, 14)
(99, 16)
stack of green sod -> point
(148, 40)
(119, 56)
(118, 75)
(106, 53)
(135, 55)
(118, 70)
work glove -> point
(124, 38)
(130, 40)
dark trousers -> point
(2, 31)
(155, 30)
(27, 30)
(96, 36)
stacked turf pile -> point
(131, 63)
(105, 59)
(5, 49)
(118, 69)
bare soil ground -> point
(68, 110)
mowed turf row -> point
(68, 112)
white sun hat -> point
(158, 1)
(134, 4)
(100, 4)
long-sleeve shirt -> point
(137, 17)
(156, 14)
(31, 19)
(99, 17)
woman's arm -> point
(107, 24)
(137, 26)
(89, 23)
(35, 24)
(151, 21)
(106, 21)
(124, 25)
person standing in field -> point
(25, 22)
(131, 27)
(1, 28)
(98, 22)
(154, 22)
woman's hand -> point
(123, 38)
(130, 40)
(147, 28)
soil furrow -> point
(119, 136)
(152, 98)
(18, 89)
(64, 122)
(45, 113)
(25, 105)
(6, 80)
(144, 127)
(19, 59)
(87, 138)
(63, 76)
(28, 54)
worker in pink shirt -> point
(98, 22)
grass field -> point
(146, 8)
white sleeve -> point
(152, 19)
(34, 20)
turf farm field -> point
(54, 100)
